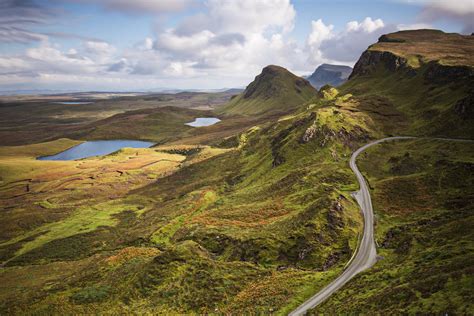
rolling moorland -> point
(253, 214)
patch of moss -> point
(90, 295)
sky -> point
(147, 45)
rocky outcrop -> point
(464, 108)
(309, 134)
(442, 74)
(370, 59)
(323, 135)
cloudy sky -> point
(136, 45)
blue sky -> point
(121, 45)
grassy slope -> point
(274, 90)
(422, 190)
(423, 200)
(259, 228)
(44, 200)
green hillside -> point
(423, 198)
(264, 218)
(417, 83)
(256, 228)
(275, 90)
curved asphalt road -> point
(366, 255)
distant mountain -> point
(274, 90)
(333, 75)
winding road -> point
(366, 254)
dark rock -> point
(465, 107)
(370, 59)
(398, 238)
(331, 261)
(387, 39)
(444, 74)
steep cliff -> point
(426, 74)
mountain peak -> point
(273, 68)
(272, 81)
(274, 89)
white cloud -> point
(460, 11)
(170, 41)
(251, 16)
(460, 7)
(367, 25)
(320, 32)
(325, 45)
(225, 44)
(180, 69)
(100, 52)
(148, 43)
(13, 64)
(99, 48)
(414, 26)
(233, 38)
(51, 59)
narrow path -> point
(366, 254)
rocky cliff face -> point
(369, 61)
(433, 71)
(443, 74)
(441, 57)
(427, 75)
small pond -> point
(73, 102)
(203, 121)
(96, 148)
